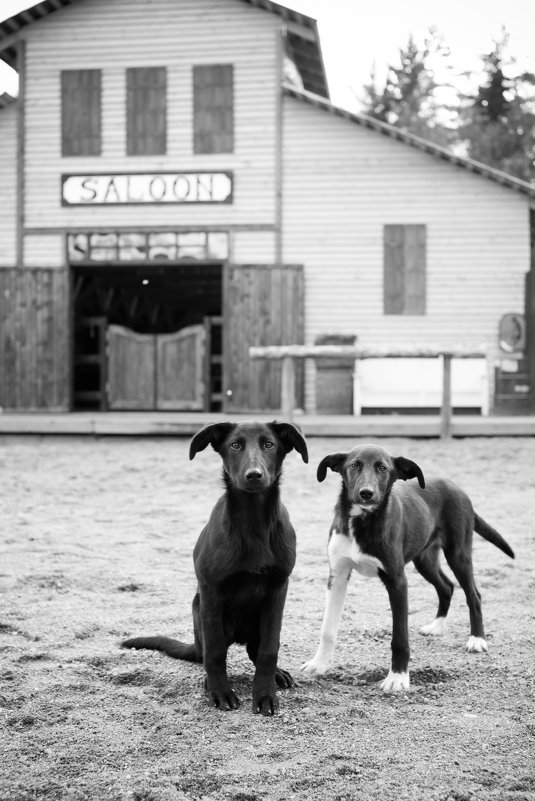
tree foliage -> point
(498, 120)
(407, 98)
(495, 124)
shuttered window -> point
(146, 111)
(81, 113)
(213, 109)
(404, 269)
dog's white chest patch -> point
(345, 554)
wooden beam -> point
(445, 415)
(288, 387)
(21, 151)
(349, 351)
(529, 300)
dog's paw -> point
(315, 667)
(476, 645)
(434, 629)
(395, 682)
(284, 679)
(224, 700)
(265, 703)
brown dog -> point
(380, 525)
(242, 560)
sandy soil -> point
(96, 541)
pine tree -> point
(407, 99)
(498, 121)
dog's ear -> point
(334, 460)
(406, 469)
(213, 435)
(290, 437)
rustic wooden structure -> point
(157, 188)
(291, 354)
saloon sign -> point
(160, 187)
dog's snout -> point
(366, 494)
(254, 475)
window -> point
(146, 111)
(81, 113)
(152, 246)
(213, 109)
(404, 269)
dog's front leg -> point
(264, 683)
(334, 604)
(215, 648)
(398, 675)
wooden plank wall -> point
(263, 305)
(34, 347)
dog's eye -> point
(381, 468)
(355, 465)
(268, 444)
(235, 446)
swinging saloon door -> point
(156, 371)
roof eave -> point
(414, 141)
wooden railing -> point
(290, 353)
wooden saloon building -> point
(176, 186)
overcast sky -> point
(356, 34)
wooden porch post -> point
(288, 387)
(445, 416)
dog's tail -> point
(490, 534)
(173, 648)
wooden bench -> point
(411, 383)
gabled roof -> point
(302, 38)
(407, 138)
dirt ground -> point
(96, 544)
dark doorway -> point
(147, 299)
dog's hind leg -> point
(334, 604)
(427, 564)
(461, 566)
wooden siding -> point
(8, 185)
(249, 247)
(113, 37)
(44, 250)
(34, 347)
(336, 200)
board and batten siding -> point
(34, 346)
(131, 33)
(343, 183)
(8, 185)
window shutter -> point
(415, 257)
(404, 269)
(393, 269)
(81, 113)
(146, 111)
(213, 109)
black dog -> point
(242, 560)
(378, 527)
